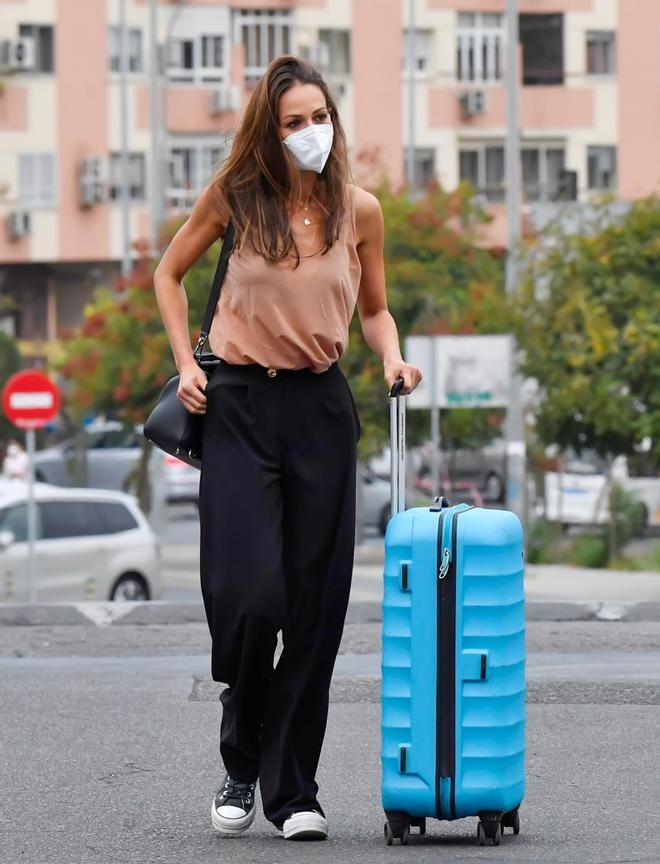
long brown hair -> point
(259, 177)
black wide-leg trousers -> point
(277, 519)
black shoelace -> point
(237, 793)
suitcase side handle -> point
(397, 447)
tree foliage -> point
(117, 361)
(10, 363)
(587, 317)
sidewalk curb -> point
(93, 614)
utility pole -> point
(410, 66)
(155, 195)
(123, 130)
(515, 432)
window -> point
(422, 58)
(336, 46)
(542, 172)
(482, 165)
(542, 38)
(190, 168)
(43, 36)
(424, 166)
(14, 519)
(480, 45)
(212, 52)
(136, 176)
(199, 59)
(601, 53)
(36, 179)
(265, 35)
(134, 49)
(110, 517)
(601, 168)
(62, 519)
(181, 59)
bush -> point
(544, 543)
(589, 550)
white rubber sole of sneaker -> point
(305, 826)
(232, 826)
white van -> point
(91, 544)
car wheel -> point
(129, 587)
(494, 487)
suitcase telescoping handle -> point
(398, 447)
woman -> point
(277, 486)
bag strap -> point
(218, 279)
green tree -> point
(587, 318)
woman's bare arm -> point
(378, 325)
(202, 228)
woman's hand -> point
(411, 375)
(192, 383)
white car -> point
(91, 544)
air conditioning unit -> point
(223, 99)
(93, 182)
(472, 102)
(17, 54)
(18, 224)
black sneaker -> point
(233, 807)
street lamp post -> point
(515, 434)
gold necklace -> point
(306, 221)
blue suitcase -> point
(453, 661)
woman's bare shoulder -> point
(368, 212)
(213, 198)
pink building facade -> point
(589, 93)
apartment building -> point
(589, 90)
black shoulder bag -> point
(170, 426)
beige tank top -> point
(276, 316)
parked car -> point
(578, 495)
(91, 544)
(182, 481)
(376, 501)
(112, 449)
(484, 469)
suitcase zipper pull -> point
(444, 564)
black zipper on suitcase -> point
(445, 756)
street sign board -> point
(30, 399)
(470, 371)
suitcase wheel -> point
(511, 820)
(397, 825)
(491, 829)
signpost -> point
(464, 371)
(30, 401)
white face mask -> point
(310, 147)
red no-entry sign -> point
(30, 399)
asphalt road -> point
(109, 753)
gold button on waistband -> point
(272, 372)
